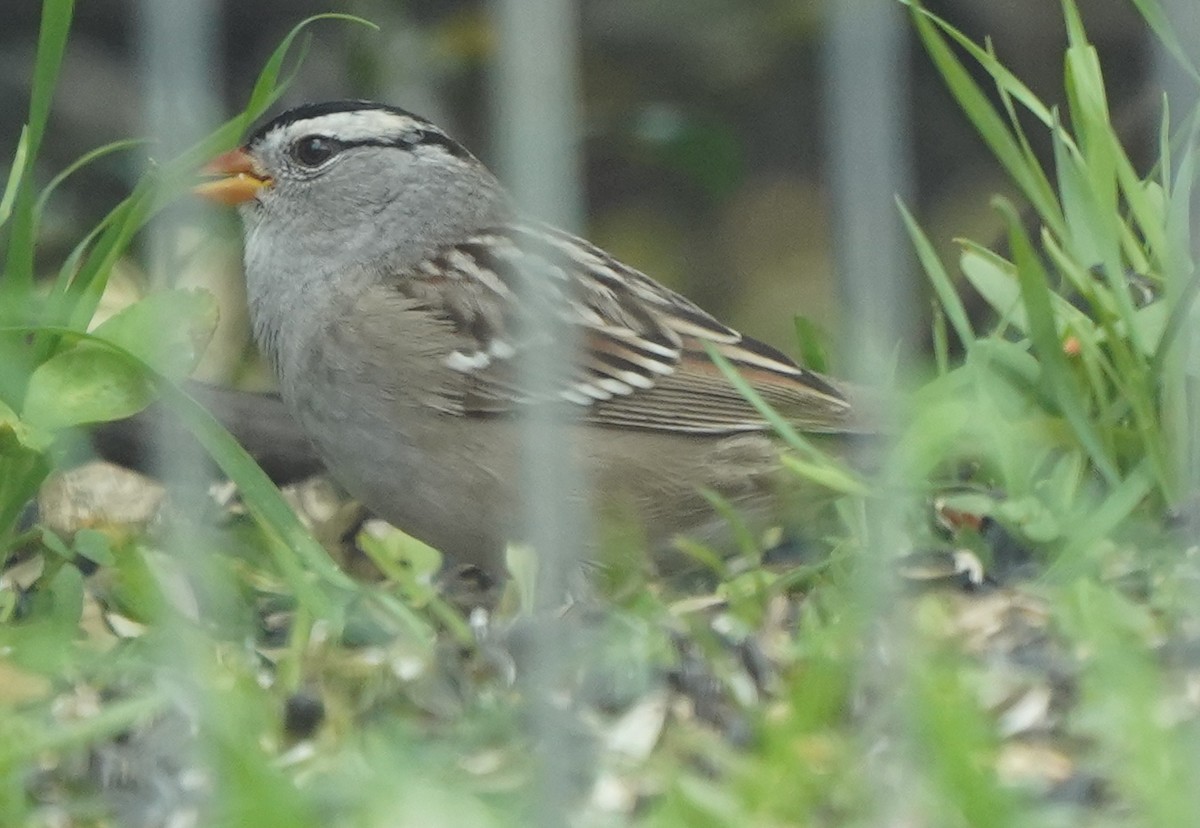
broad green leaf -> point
(412, 565)
(87, 383)
(994, 280)
(1009, 359)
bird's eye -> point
(314, 150)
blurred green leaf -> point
(87, 383)
(94, 546)
(813, 354)
(1123, 690)
(706, 152)
(167, 330)
(103, 376)
(958, 746)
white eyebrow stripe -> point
(353, 126)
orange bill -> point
(238, 179)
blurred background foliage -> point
(702, 122)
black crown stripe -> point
(426, 133)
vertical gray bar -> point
(177, 49)
(537, 135)
(536, 112)
(177, 45)
(1169, 76)
(538, 153)
(1171, 80)
(869, 165)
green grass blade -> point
(828, 476)
(267, 87)
(947, 294)
(785, 429)
(810, 340)
(992, 128)
(15, 175)
(79, 163)
(1090, 221)
(1043, 333)
(957, 741)
(86, 282)
(1106, 518)
(1008, 83)
(172, 179)
(300, 557)
(940, 340)
(1157, 20)
(1142, 207)
(113, 719)
(17, 277)
(815, 464)
(1181, 294)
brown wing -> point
(641, 359)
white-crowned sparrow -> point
(383, 266)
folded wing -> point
(640, 361)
